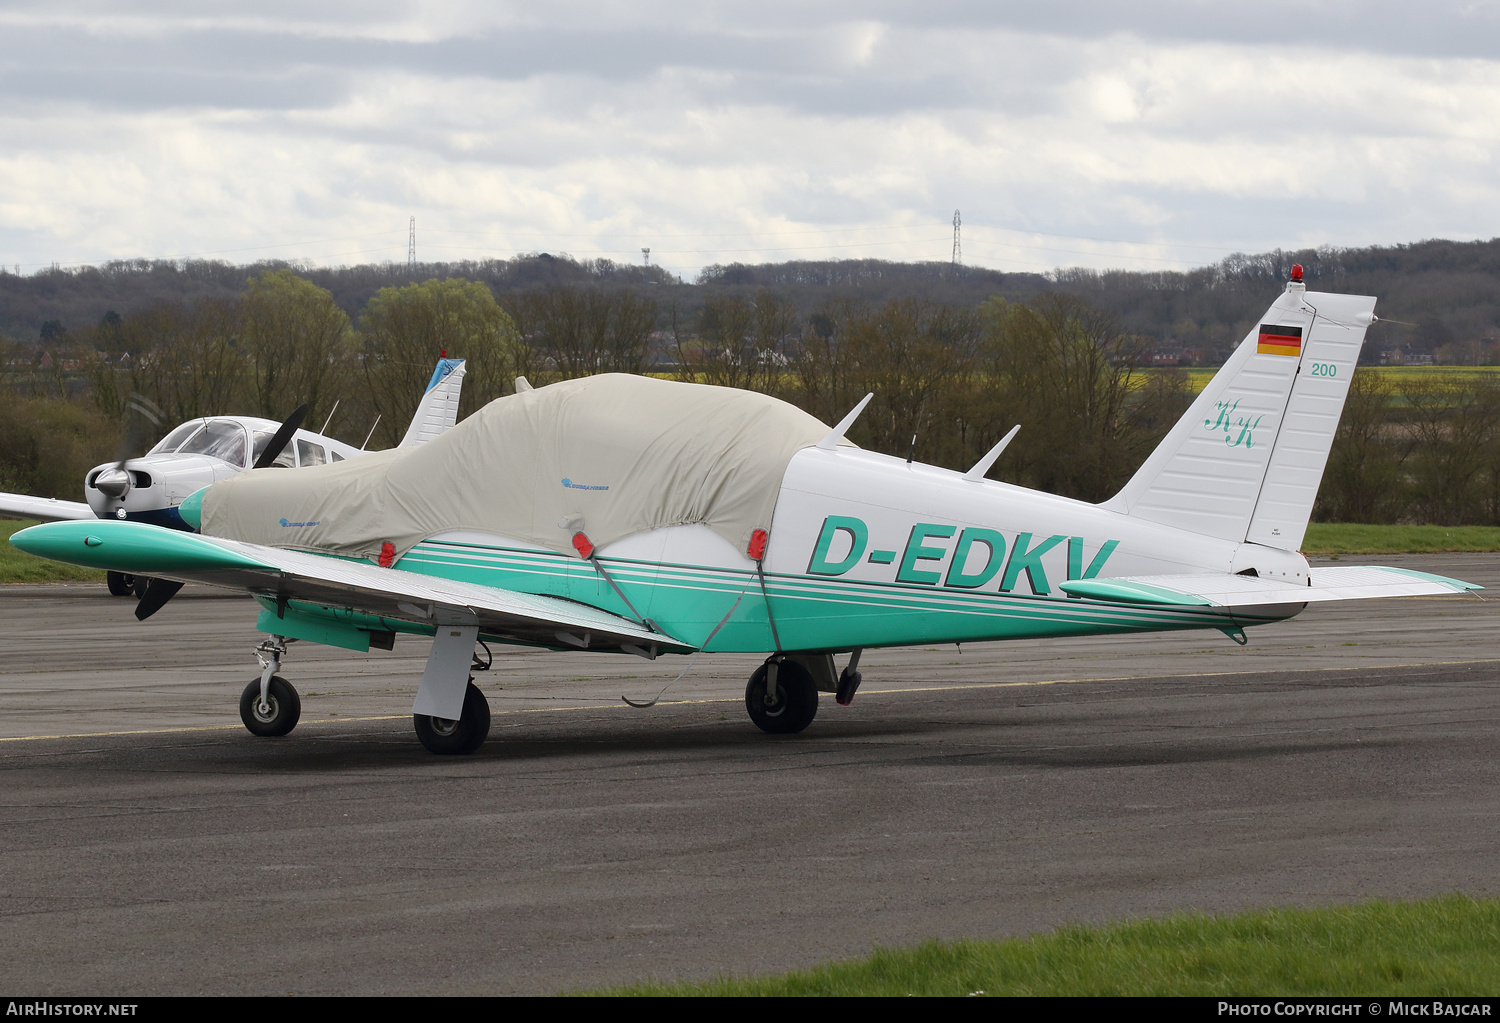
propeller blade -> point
(158, 592)
(282, 438)
(142, 416)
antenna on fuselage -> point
(836, 434)
(371, 433)
(330, 417)
(523, 385)
(983, 465)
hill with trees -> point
(1437, 298)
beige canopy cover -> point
(607, 455)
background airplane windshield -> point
(224, 440)
(173, 440)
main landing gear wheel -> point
(120, 584)
(278, 715)
(444, 736)
(794, 705)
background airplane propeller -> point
(142, 421)
(281, 438)
(158, 592)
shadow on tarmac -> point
(391, 746)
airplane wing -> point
(1343, 582)
(44, 509)
(293, 576)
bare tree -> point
(1363, 481)
(1453, 422)
(719, 351)
(1068, 373)
(405, 330)
(297, 340)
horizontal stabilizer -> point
(1353, 582)
(283, 575)
(43, 509)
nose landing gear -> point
(270, 705)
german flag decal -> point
(1278, 340)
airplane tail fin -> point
(1245, 461)
(438, 409)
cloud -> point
(1159, 134)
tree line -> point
(950, 379)
(1437, 297)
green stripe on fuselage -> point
(812, 612)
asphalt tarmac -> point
(151, 846)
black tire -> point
(796, 699)
(465, 735)
(138, 585)
(286, 707)
(120, 584)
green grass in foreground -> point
(18, 567)
(1355, 538)
(1443, 946)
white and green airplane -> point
(632, 515)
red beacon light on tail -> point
(1296, 273)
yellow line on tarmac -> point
(684, 703)
(173, 731)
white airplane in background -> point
(202, 451)
(627, 514)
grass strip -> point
(1356, 538)
(1440, 946)
(19, 567)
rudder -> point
(1245, 461)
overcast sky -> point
(1068, 132)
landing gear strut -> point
(446, 736)
(782, 697)
(270, 705)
